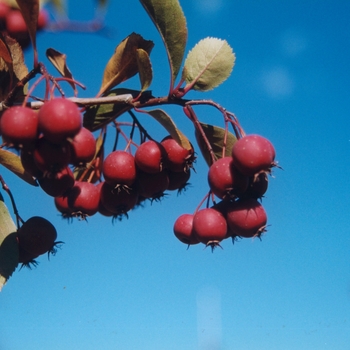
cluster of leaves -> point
(207, 65)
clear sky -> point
(131, 284)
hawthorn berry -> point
(209, 226)
(37, 236)
(149, 157)
(225, 180)
(178, 158)
(83, 147)
(152, 186)
(246, 218)
(183, 229)
(252, 154)
(59, 119)
(19, 125)
(119, 168)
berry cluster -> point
(55, 149)
(12, 22)
(238, 181)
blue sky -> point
(131, 284)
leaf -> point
(8, 244)
(208, 64)
(13, 163)
(145, 69)
(123, 64)
(170, 21)
(30, 11)
(216, 137)
(97, 116)
(58, 60)
(10, 74)
(165, 120)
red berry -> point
(183, 229)
(4, 10)
(152, 185)
(29, 164)
(84, 198)
(179, 158)
(83, 147)
(19, 125)
(43, 19)
(246, 218)
(225, 180)
(149, 157)
(118, 200)
(57, 184)
(59, 119)
(119, 168)
(62, 206)
(15, 24)
(252, 154)
(50, 157)
(209, 226)
(258, 185)
(178, 180)
(37, 236)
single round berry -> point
(57, 184)
(178, 180)
(149, 157)
(152, 186)
(37, 236)
(83, 147)
(59, 119)
(252, 154)
(225, 180)
(19, 125)
(178, 158)
(15, 24)
(209, 226)
(183, 229)
(84, 198)
(119, 168)
(246, 218)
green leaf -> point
(216, 137)
(145, 69)
(208, 64)
(123, 64)
(30, 11)
(97, 116)
(13, 163)
(170, 21)
(8, 244)
(165, 120)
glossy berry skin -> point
(84, 198)
(178, 180)
(183, 229)
(178, 158)
(59, 119)
(252, 154)
(83, 147)
(61, 204)
(246, 218)
(36, 236)
(209, 226)
(19, 125)
(149, 157)
(119, 168)
(225, 180)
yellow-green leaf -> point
(145, 69)
(58, 60)
(8, 244)
(170, 21)
(166, 121)
(216, 138)
(30, 11)
(208, 64)
(13, 163)
(123, 64)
